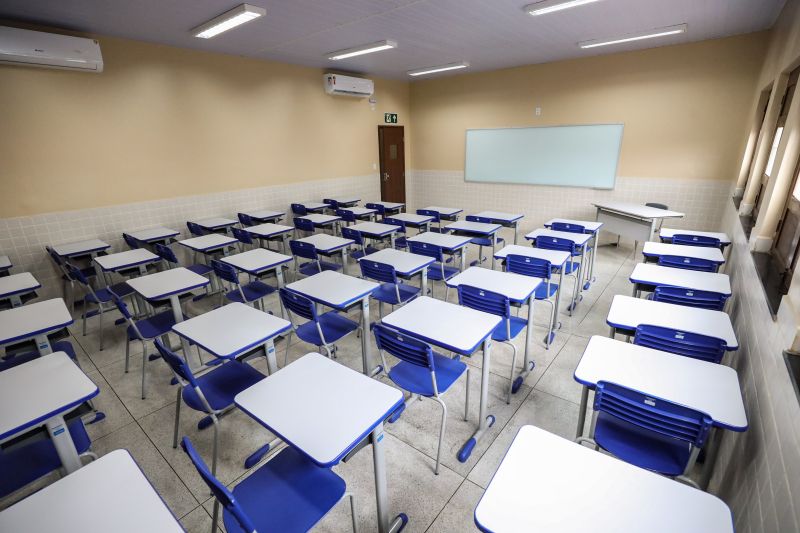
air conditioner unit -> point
(49, 50)
(338, 84)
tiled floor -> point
(443, 503)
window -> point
(774, 151)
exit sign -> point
(390, 118)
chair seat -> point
(570, 267)
(255, 290)
(222, 384)
(400, 242)
(543, 294)
(311, 268)
(289, 493)
(386, 293)
(435, 272)
(640, 447)
(88, 272)
(334, 327)
(23, 357)
(417, 379)
(517, 325)
(577, 252)
(200, 269)
(358, 254)
(104, 295)
(485, 241)
(154, 326)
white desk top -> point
(444, 211)
(653, 274)
(516, 287)
(109, 494)
(333, 289)
(707, 387)
(580, 239)
(257, 260)
(390, 205)
(375, 228)
(556, 257)
(214, 222)
(208, 242)
(126, 259)
(359, 211)
(33, 319)
(627, 312)
(405, 263)
(153, 234)
(327, 243)
(546, 483)
(268, 229)
(33, 392)
(80, 248)
(5, 262)
(167, 283)
(638, 210)
(345, 199)
(653, 248)
(17, 283)
(332, 408)
(474, 227)
(321, 219)
(313, 206)
(453, 327)
(263, 214)
(232, 329)
(500, 216)
(668, 233)
(588, 225)
(412, 218)
(446, 241)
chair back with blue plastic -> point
(380, 208)
(395, 222)
(687, 344)
(346, 215)
(378, 271)
(476, 218)
(402, 346)
(568, 227)
(121, 306)
(299, 210)
(687, 263)
(352, 234)
(331, 202)
(242, 236)
(178, 365)
(245, 219)
(195, 229)
(303, 224)
(529, 266)
(132, 242)
(482, 300)
(166, 253)
(556, 243)
(225, 271)
(437, 217)
(696, 240)
(76, 274)
(305, 250)
(426, 249)
(690, 297)
(298, 304)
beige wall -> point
(684, 107)
(161, 122)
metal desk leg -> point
(527, 364)
(516, 227)
(556, 324)
(365, 345)
(423, 281)
(463, 253)
(269, 351)
(16, 301)
(392, 238)
(177, 313)
(62, 441)
(43, 344)
(494, 248)
(582, 412)
(578, 295)
(485, 421)
(381, 493)
(344, 260)
(712, 448)
(595, 244)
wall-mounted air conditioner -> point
(337, 84)
(49, 50)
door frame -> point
(381, 128)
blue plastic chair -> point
(66, 279)
(303, 225)
(196, 229)
(437, 218)
(683, 343)
(306, 250)
(132, 242)
(400, 240)
(690, 297)
(438, 271)
(648, 432)
(102, 299)
(348, 216)
(572, 266)
(168, 255)
(421, 372)
(252, 292)
(687, 263)
(245, 220)
(244, 238)
(537, 268)
(363, 248)
(696, 240)
(289, 493)
(322, 330)
(568, 227)
(380, 208)
(299, 210)
(391, 291)
(482, 242)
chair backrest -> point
(652, 414)
(220, 492)
(195, 229)
(225, 271)
(695, 240)
(378, 271)
(426, 249)
(178, 365)
(690, 297)
(242, 236)
(380, 208)
(687, 263)
(132, 242)
(306, 250)
(122, 306)
(404, 347)
(568, 227)
(346, 215)
(55, 257)
(76, 274)
(437, 217)
(245, 219)
(555, 243)
(657, 205)
(529, 266)
(354, 234)
(482, 300)
(298, 304)
(476, 218)
(684, 343)
(303, 224)
(395, 222)
(333, 203)
(299, 209)
(165, 252)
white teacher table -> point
(269, 231)
(314, 207)
(476, 229)
(260, 261)
(216, 224)
(508, 220)
(340, 291)
(18, 286)
(328, 245)
(361, 213)
(264, 215)
(666, 235)
(653, 250)
(5, 265)
(627, 313)
(576, 489)
(648, 276)
(40, 392)
(325, 411)
(519, 290)
(138, 258)
(154, 235)
(581, 241)
(406, 264)
(588, 226)
(450, 244)
(109, 494)
(421, 222)
(459, 329)
(377, 231)
(323, 221)
(34, 321)
(635, 221)
(342, 201)
(707, 387)
(389, 208)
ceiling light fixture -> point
(230, 19)
(550, 6)
(441, 68)
(361, 50)
(651, 34)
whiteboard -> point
(570, 156)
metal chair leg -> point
(177, 417)
(441, 432)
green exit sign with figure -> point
(390, 118)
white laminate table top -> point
(359, 211)
(516, 287)
(33, 319)
(5, 262)
(390, 205)
(153, 234)
(557, 258)
(208, 242)
(444, 240)
(588, 225)
(314, 206)
(327, 243)
(627, 312)
(333, 288)
(214, 222)
(167, 283)
(653, 274)
(699, 252)
(126, 259)
(474, 227)
(638, 210)
(321, 219)
(109, 494)
(580, 239)
(405, 263)
(17, 283)
(256, 260)
(268, 229)
(412, 218)
(80, 248)
(668, 233)
(345, 199)
(375, 228)
(319, 406)
(444, 211)
(546, 483)
(232, 329)
(707, 387)
(263, 214)
(501, 216)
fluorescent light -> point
(659, 32)
(361, 50)
(442, 68)
(550, 6)
(228, 20)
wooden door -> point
(391, 146)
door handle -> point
(385, 176)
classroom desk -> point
(109, 494)
(154, 235)
(589, 226)
(268, 230)
(577, 489)
(330, 244)
(450, 244)
(5, 265)
(520, 290)
(264, 215)
(477, 229)
(377, 231)
(413, 220)
(339, 291)
(323, 221)
(445, 213)
(213, 242)
(34, 321)
(76, 249)
(342, 201)
(459, 329)
(508, 220)
(233, 330)
(706, 387)
(653, 250)
(626, 313)
(648, 276)
(40, 392)
(216, 224)
(325, 411)
(138, 258)
(666, 235)
(391, 208)
(15, 286)
(361, 213)
(581, 241)
(406, 264)
(314, 207)
(635, 221)
(259, 261)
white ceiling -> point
(490, 34)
